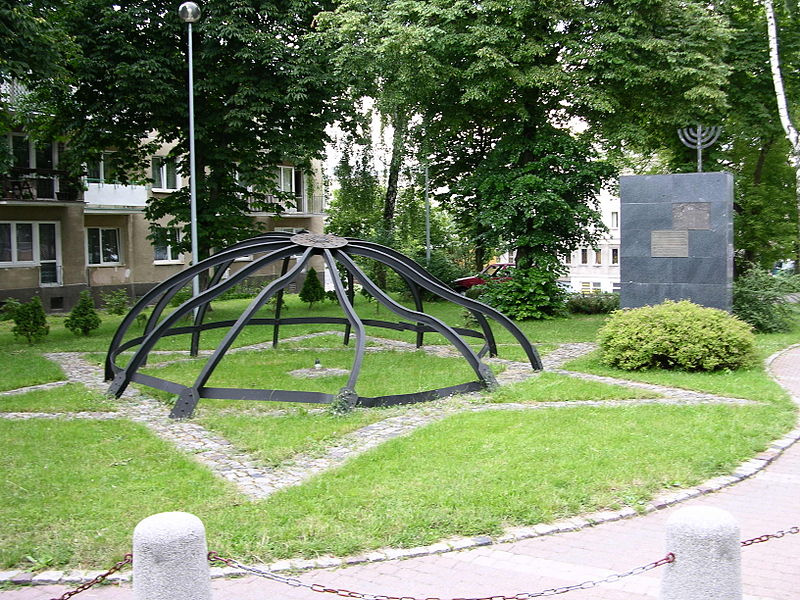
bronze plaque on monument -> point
(669, 243)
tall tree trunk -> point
(400, 122)
(783, 111)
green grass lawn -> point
(753, 383)
(22, 367)
(72, 397)
(475, 473)
(73, 490)
(382, 373)
(276, 438)
(551, 387)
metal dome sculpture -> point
(274, 247)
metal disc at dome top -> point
(318, 240)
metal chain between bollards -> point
(127, 559)
(315, 587)
(770, 536)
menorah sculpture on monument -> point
(699, 138)
(284, 247)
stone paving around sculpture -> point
(259, 481)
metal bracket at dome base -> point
(276, 247)
(344, 401)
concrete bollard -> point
(707, 564)
(170, 558)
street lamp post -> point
(189, 13)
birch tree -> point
(783, 108)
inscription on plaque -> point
(691, 215)
(669, 244)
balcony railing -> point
(310, 205)
(32, 185)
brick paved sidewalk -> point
(764, 503)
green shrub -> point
(30, 322)
(676, 335)
(9, 309)
(181, 296)
(83, 317)
(788, 282)
(530, 294)
(244, 289)
(312, 289)
(116, 302)
(759, 299)
(592, 304)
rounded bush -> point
(676, 335)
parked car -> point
(495, 272)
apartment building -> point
(60, 236)
(597, 269)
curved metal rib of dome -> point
(401, 264)
(275, 247)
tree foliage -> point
(495, 87)
(263, 94)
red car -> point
(496, 272)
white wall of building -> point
(597, 269)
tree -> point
(83, 317)
(35, 49)
(496, 86)
(787, 123)
(263, 94)
(30, 321)
(312, 290)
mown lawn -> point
(73, 490)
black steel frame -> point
(277, 246)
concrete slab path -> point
(765, 503)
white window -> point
(290, 180)
(616, 286)
(101, 171)
(598, 257)
(103, 246)
(586, 287)
(165, 173)
(31, 244)
(165, 253)
(584, 256)
(614, 219)
(615, 256)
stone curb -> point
(512, 534)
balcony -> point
(38, 185)
(311, 205)
(115, 195)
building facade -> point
(592, 270)
(59, 237)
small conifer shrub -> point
(83, 318)
(676, 335)
(30, 322)
(312, 289)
